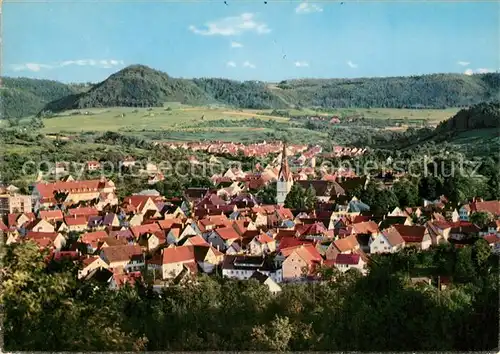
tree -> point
(481, 251)
(267, 195)
(480, 218)
(300, 199)
(406, 192)
(273, 337)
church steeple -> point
(284, 172)
(285, 178)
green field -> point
(179, 118)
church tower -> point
(285, 178)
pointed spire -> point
(284, 173)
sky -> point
(86, 41)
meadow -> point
(176, 117)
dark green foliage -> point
(426, 91)
(301, 199)
(248, 94)
(483, 115)
(46, 309)
(140, 86)
(134, 86)
(22, 97)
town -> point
(226, 230)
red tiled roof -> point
(73, 221)
(51, 214)
(47, 190)
(87, 211)
(121, 253)
(365, 227)
(39, 235)
(139, 230)
(263, 238)
(411, 234)
(227, 233)
(181, 254)
(492, 206)
(351, 259)
(348, 243)
(196, 241)
(168, 223)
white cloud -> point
(469, 72)
(301, 64)
(463, 63)
(307, 8)
(231, 26)
(351, 64)
(236, 45)
(231, 64)
(247, 64)
(35, 67)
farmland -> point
(178, 118)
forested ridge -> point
(23, 96)
(141, 86)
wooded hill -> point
(23, 97)
(141, 86)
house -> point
(70, 192)
(120, 279)
(300, 261)
(42, 226)
(463, 229)
(266, 280)
(75, 223)
(439, 230)
(222, 237)
(348, 244)
(83, 211)
(141, 204)
(91, 263)
(491, 207)
(345, 262)
(12, 202)
(414, 235)
(16, 220)
(262, 243)
(387, 241)
(51, 215)
(52, 240)
(128, 257)
(176, 258)
(92, 239)
(242, 267)
(196, 241)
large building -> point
(285, 179)
(73, 192)
(12, 202)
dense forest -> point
(141, 86)
(426, 91)
(45, 308)
(23, 97)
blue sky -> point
(80, 41)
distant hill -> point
(134, 86)
(22, 97)
(425, 91)
(476, 127)
(141, 86)
(481, 116)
